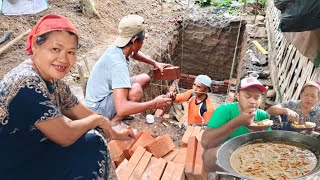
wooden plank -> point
(280, 53)
(285, 66)
(294, 82)
(289, 76)
(285, 60)
(305, 75)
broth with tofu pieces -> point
(272, 160)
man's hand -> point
(292, 115)
(247, 117)
(162, 101)
(161, 66)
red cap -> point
(251, 82)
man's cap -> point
(311, 83)
(251, 82)
(129, 26)
(205, 80)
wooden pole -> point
(255, 11)
(15, 40)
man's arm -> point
(125, 107)
(213, 137)
(140, 56)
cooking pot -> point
(306, 141)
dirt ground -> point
(95, 36)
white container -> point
(150, 118)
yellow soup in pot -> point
(272, 160)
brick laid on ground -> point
(196, 131)
(123, 165)
(160, 146)
(178, 173)
(171, 155)
(158, 170)
(141, 166)
(198, 172)
(187, 134)
(191, 155)
(168, 172)
(144, 139)
(134, 160)
(181, 156)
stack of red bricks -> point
(147, 157)
(218, 87)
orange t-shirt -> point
(198, 113)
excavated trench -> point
(203, 44)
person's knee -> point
(143, 79)
(136, 92)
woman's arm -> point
(276, 110)
(64, 131)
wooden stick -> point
(15, 40)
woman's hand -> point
(161, 66)
(292, 115)
(123, 135)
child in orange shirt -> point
(200, 106)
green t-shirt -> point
(227, 112)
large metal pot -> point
(225, 151)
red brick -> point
(191, 155)
(158, 170)
(178, 173)
(124, 146)
(117, 161)
(159, 112)
(169, 73)
(199, 136)
(181, 156)
(190, 177)
(160, 146)
(144, 139)
(122, 166)
(114, 149)
(186, 136)
(168, 172)
(134, 160)
(198, 172)
(153, 163)
(196, 131)
(171, 155)
(141, 166)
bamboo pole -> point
(15, 40)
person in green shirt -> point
(233, 119)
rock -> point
(260, 18)
(89, 8)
